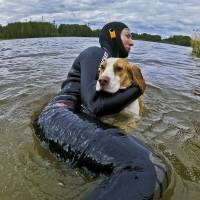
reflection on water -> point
(31, 72)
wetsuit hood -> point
(110, 38)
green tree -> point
(146, 37)
(69, 30)
(29, 29)
(96, 33)
(1, 31)
(178, 40)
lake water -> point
(31, 72)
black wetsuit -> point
(76, 89)
(133, 171)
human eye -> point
(128, 35)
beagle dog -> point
(117, 73)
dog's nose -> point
(104, 81)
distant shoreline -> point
(22, 30)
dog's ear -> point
(137, 77)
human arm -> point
(70, 90)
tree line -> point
(176, 39)
(47, 29)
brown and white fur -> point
(118, 73)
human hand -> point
(60, 104)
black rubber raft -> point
(133, 171)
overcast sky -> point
(163, 17)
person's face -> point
(126, 39)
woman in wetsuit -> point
(80, 86)
(133, 171)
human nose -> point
(131, 42)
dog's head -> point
(117, 73)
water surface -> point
(31, 72)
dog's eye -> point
(118, 69)
(102, 67)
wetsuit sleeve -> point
(101, 103)
(70, 89)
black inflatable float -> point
(133, 171)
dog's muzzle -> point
(104, 81)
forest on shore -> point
(46, 29)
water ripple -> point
(31, 72)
